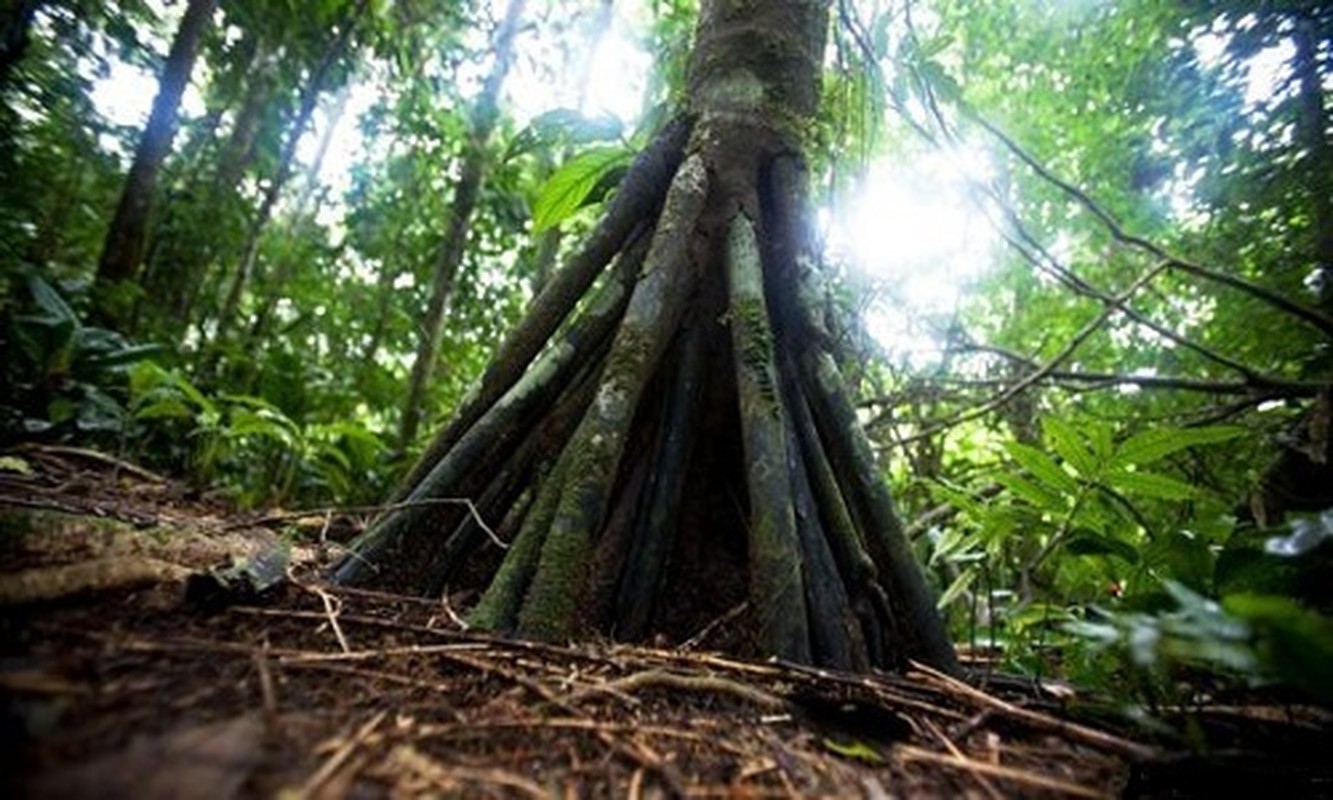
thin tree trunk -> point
(1313, 123)
(14, 38)
(383, 303)
(177, 265)
(227, 317)
(125, 244)
(484, 115)
(300, 217)
(239, 152)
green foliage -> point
(581, 180)
(68, 380)
(563, 127)
(61, 376)
(251, 448)
(1246, 637)
(1070, 524)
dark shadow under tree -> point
(675, 438)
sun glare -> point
(916, 234)
(619, 76)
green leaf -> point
(566, 190)
(15, 464)
(245, 422)
(854, 749)
(50, 301)
(1157, 443)
(170, 407)
(940, 81)
(1294, 642)
(960, 499)
(960, 584)
(1036, 494)
(1088, 543)
(1042, 467)
(564, 126)
(1069, 444)
(1150, 484)
(933, 47)
(125, 355)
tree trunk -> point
(124, 247)
(684, 442)
(302, 216)
(239, 151)
(14, 37)
(1313, 123)
(315, 87)
(177, 265)
(485, 113)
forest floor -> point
(131, 665)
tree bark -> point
(716, 454)
(14, 38)
(1313, 123)
(484, 115)
(125, 244)
(177, 264)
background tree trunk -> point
(123, 250)
(17, 21)
(484, 115)
(1313, 122)
(315, 87)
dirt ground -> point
(133, 665)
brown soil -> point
(117, 686)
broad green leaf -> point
(1293, 641)
(1148, 446)
(126, 355)
(244, 422)
(195, 396)
(170, 407)
(1088, 543)
(1042, 467)
(50, 301)
(1150, 484)
(934, 46)
(1069, 444)
(1040, 614)
(1101, 439)
(949, 541)
(565, 191)
(960, 499)
(940, 81)
(1036, 494)
(564, 125)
